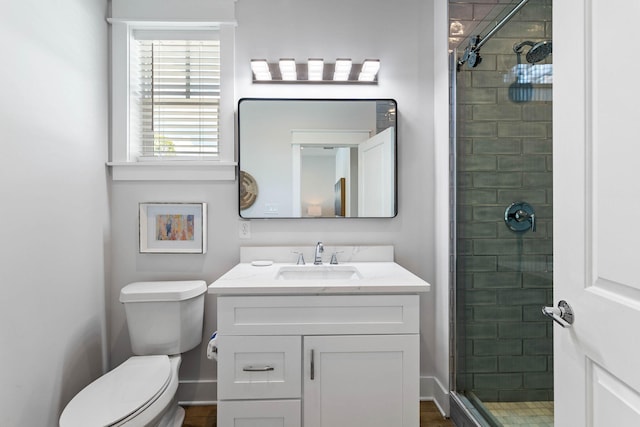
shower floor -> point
(529, 414)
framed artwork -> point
(173, 228)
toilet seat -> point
(120, 393)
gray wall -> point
(400, 35)
(504, 156)
(54, 250)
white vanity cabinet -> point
(318, 360)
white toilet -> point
(164, 320)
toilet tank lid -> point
(162, 291)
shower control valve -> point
(520, 217)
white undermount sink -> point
(318, 272)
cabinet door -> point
(360, 380)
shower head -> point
(537, 52)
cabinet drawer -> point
(318, 315)
(259, 367)
(270, 413)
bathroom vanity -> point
(318, 345)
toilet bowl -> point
(139, 392)
(164, 319)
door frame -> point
(317, 137)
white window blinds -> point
(178, 92)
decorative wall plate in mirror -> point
(248, 190)
(298, 149)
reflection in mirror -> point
(310, 158)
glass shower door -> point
(503, 218)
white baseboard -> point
(197, 392)
(205, 392)
(431, 389)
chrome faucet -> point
(317, 259)
(300, 258)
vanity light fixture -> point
(315, 70)
(288, 69)
(342, 70)
(260, 68)
(369, 70)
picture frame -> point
(173, 228)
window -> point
(175, 98)
(172, 112)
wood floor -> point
(205, 416)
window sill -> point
(173, 171)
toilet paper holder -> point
(212, 347)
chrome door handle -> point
(562, 315)
(265, 368)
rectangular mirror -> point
(317, 158)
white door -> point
(376, 169)
(596, 212)
(361, 380)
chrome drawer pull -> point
(264, 368)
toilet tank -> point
(164, 317)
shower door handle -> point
(562, 315)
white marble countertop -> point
(377, 277)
